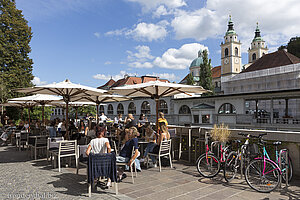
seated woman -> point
(141, 124)
(163, 135)
(91, 132)
(126, 152)
(99, 145)
(150, 136)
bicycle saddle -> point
(277, 143)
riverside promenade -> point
(22, 178)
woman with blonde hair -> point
(163, 135)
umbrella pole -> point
(156, 123)
(67, 118)
(43, 114)
(76, 115)
(29, 116)
(97, 114)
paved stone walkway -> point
(22, 178)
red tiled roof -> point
(216, 72)
(184, 78)
(131, 80)
(271, 60)
(107, 84)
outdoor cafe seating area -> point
(69, 150)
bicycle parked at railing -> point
(209, 164)
(240, 159)
(263, 174)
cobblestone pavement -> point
(20, 176)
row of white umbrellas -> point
(68, 92)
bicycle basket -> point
(252, 149)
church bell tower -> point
(258, 47)
(231, 59)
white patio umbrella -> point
(102, 99)
(75, 105)
(156, 90)
(38, 99)
(66, 89)
(23, 104)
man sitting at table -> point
(126, 152)
(99, 145)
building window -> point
(254, 56)
(145, 108)
(131, 108)
(101, 109)
(184, 110)
(226, 52)
(236, 50)
(163, 106)
(216, 84)
(196, 119)
(205, 119)
(120, 109)
(227, 108)
(110, 109)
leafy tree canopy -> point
(293, 46)
(15, 64)
(205, 72)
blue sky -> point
(89, 41)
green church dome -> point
(198, 61)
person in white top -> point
(99, 145)
(102, 118)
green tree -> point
(293, 46)
(83, 110)
(190, 79)
(205, 72)
(15, 64)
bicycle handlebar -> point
(253, 136)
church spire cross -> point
(257, 31)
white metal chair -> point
(52, 144)
(164, 150)
(67, 148)
(133, 164)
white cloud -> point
(140, 65)
(170, 77)
(117, 32)
(277, 20)
(97, 34)
(114, 77)
(142, 54)
(141, 58)
(179, 58)
(148, 5)
(37, 81)
(148, 32)
(161, 10)
(107, 63)
(200, 24)
(143, 31)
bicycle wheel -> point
(259, 181)
(231, 166)
(208, 166)
(288, 166)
